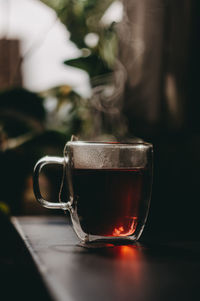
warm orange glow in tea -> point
(121, 231)
(110, 201)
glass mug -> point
(109, 188)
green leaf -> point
(21, 111)
(92, 64)
(23, 101)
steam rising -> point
(108, 89)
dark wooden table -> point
(141, 272)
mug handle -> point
(36, 187)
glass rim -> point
(109, 143)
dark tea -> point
(109, 202)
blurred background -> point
(102, 70)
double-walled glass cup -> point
(109, 188)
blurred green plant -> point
(83, 18)
(34, 124)
(99, 45)
(67, 112)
